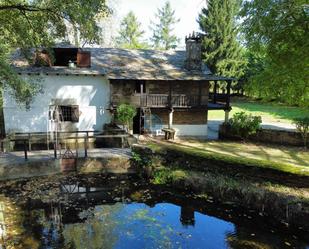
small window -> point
(139, 85)
(69, 113)
(65, 113)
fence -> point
(26, 139)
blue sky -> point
(186, 10)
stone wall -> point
(266, 136)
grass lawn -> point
(280, 154)
(270, 112)
(286, 159)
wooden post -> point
(25, 150)
(2, 122)
(76, 147)
(199, 93)
(55, 149)
(170, 95)
(141, 95)
(86, 145)
(215, 92)
(227, 105)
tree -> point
(29, 24)
(162, 30)
(130, 34)
(125, 114)
(277, 31)
(222, 51)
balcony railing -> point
(154, 100)
(177, 100)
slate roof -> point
(118, 63)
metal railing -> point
(27, 139)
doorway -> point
(138, 122)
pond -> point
(98, 211)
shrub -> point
(140, 161)
(125, 114)
(243, 124)
(302, 125)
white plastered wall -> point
(92, 94)
(186, 130)
(191, 130)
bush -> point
(125, 114)
(244, 125)
(302, 125)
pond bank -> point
(42, 163)
(279, 194)
(130, 212)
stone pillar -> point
(170, 118)
(226, 117)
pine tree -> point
(221, 50)
(130, 34)
(163, 37)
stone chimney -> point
(194, 52)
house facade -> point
(68, 103)
(82, 89)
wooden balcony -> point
(175, 100)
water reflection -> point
(99, 212)
(187, 216)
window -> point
(65, 113)
(138, 86)
(64, 55)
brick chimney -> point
(193, 52)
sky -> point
(186, 10)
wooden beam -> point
(170, 95)
(228, 93)
(141, 95)
(214, 100)
(200, 93)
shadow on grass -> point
(258, 152)
(275, 110)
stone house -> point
(83, 88)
